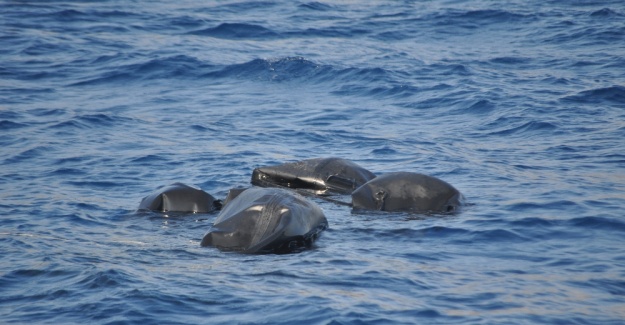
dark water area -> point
(518, 104)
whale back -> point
(404, 191)
(179, 197)
(265, 220)
(321, 175)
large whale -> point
(266, 220)
(179, 197)
(405, 191)
(321, 175)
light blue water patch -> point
(519, 105)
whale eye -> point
(450, 208)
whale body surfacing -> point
(266, 220)
(405, 191)
(321, 175)
(179, 197)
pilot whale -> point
(266, 220)
(179, 197)
(405, 191)
(321, 175)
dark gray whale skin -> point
(179, 197)
(405, 191)
(321, 175)
(266, 220)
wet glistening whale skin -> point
(179, 197)
(405, 191)
(272, 217)
(266, 220)
(321, 175)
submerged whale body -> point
(404, 191)
(266, 220)
(179, 197)
(321, 175)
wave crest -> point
(236, 31)
(614, 95)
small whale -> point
(179, 197)
(321, 175)
(405, 191)
(266, 220)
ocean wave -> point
(240, 7)
(42, 47)
(450, 69)
(532, 128)
(497, 235)
(28, 154)
(615, 287)
(74, 15)
(183, 22)
(178, 66)
(290, 69)
(94, 184)
(89, 121)
(452, 21)
(47, 112)
(316, 6)
(511, 60)
(481, 106)
(455, 103)
(244, 31)
(608, 95)
(105, 279)
(385, 150)
(616, 159)
(64, 172)
(100, 120)
(532, 222)
(9, 114)
(556, 205)
(586, 36)
(606, 13)
(7, 125)
(18, 275)
(47, 280)
(150, 159)
(472, 19)
(284, 69)
(609, 224)
(329, 32)
(399, 91)
(237, 31)
(489, 15)
(353, 81)
(446, 234)
(69, 125)
(109, 28)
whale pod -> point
(322, 175)
(266, 220)
(405, 191)
(179, 197)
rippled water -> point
(519, 104)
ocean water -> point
(518, 104)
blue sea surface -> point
(518, 104)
